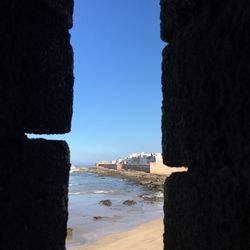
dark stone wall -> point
(37, 66)
(36, 92)
(33, 193)
(205, 123)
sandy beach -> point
(147, 236)
(132, 217)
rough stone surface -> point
(33, 193)
(36, 91)
(36, 87)
(205, 123)
(206, 89)
(207, 213)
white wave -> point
(74, 184)
(77, 193)
(103, 191)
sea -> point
(89, 220)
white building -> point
(158, 157)
(142, 158)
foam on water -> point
(103, 191)
(85, 193)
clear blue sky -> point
(117, 93)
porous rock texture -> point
(205, 123)
(33, 193)
(37, 66)
(36, 91)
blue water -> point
(86, 190)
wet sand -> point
(90, 220)
(148, 236)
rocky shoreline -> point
(150, 182)
(151, 192)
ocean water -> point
(86, 190)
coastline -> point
(152, 182)
(148, 196)
(147, 236)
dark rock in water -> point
(69, 233)
(97, 217)
(106, 203)
(129, 202)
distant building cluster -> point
(150, 163)
(139, 159)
